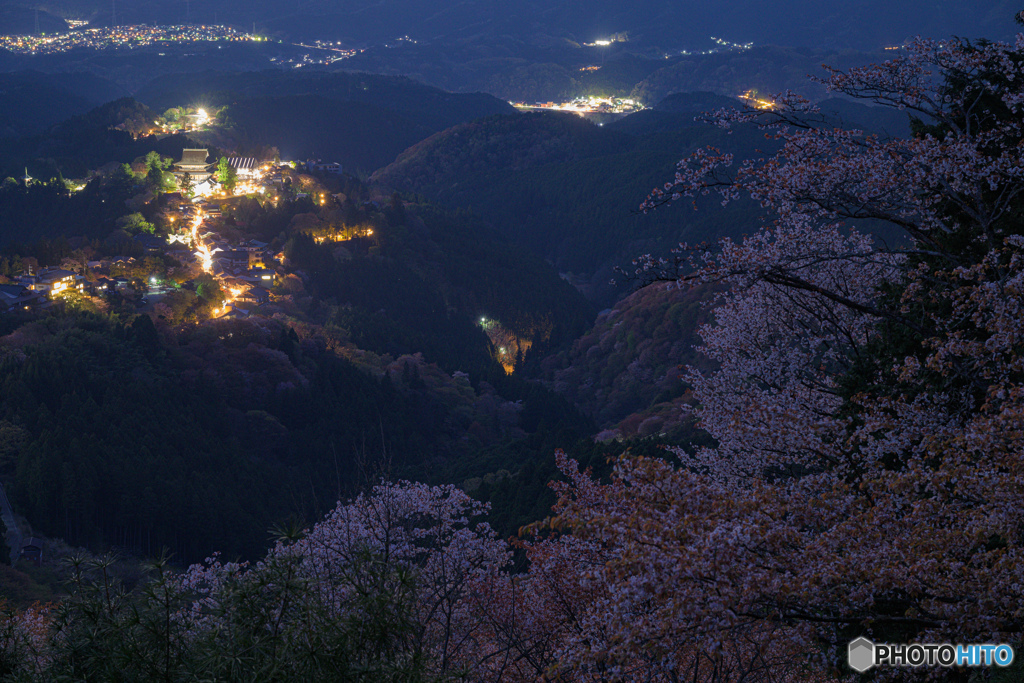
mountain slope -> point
(33, 101)
(627, 370)
(427, 106)
(567, 189)
(355, 134)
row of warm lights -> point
(727, 43)
(759, 103)
(202, 251)
(590, 105)
(339, 238)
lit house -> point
(262, 276)
(255, 295)
(18, 298)
(52, 283)
(239, 259)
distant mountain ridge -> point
(858, 24)
(361, 120)
(427, 105)
(17, 19)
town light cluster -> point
(120, 37)
(586, 105)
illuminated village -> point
(756, 101)
(585, 106)
(245, 270)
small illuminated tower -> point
(27, 179)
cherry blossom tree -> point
(393, 570)
(867, 400)
(385, 588)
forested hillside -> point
(361, 121)
(632, 363)
(33, 101)
(117, 433)
(426, 105)
(87, 141)
(360, 136)
(566, 189)
(138, 431)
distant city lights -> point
(113, 37)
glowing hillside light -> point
(602, 42)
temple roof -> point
(193, 157)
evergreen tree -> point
(226, 174)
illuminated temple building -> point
(193, 162)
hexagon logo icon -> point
(861, 654)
